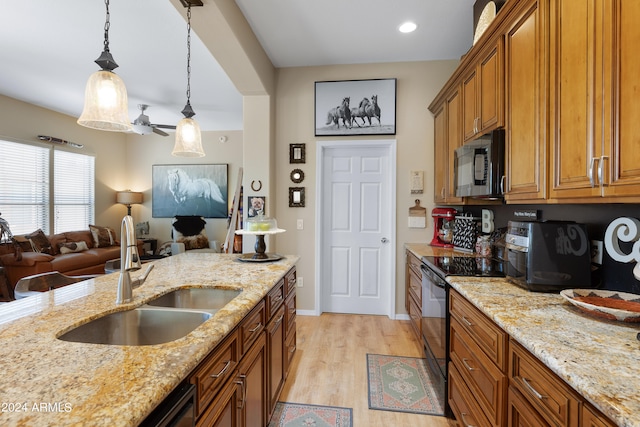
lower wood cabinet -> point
(413, 296)
(239, 382)
(495, 381)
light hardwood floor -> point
(330, 366)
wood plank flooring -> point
(330, 366)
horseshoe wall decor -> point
(253, 187)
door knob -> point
(384, 240)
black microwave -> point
(479, 167)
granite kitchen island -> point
(49, 382)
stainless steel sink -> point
(140, 326)
(207, 299)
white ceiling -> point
(47, 48)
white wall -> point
(418, 83)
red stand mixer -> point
(443, 219)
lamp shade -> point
(105, 103)
(188, 139)
(128, 197)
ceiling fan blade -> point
(165, 126)
(159, 132)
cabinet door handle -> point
(466, 365)
(222, 371)
(502, 181)
(601, 169)
(464, 421)
(591, 170)
(532, 389)
(242, 382)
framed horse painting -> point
(199, 190)
(355, 107)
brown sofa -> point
(89, 261)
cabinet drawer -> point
(275, 298)
(461, 401)
(415, 314)
(521, 413)
(290, 347)
(547, 393)
(214, 371)
(487, 383)
(290, 313)
(290, 281)
(591, 417)
(486, 334)
(414, 264)
(251, 327)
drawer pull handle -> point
(279, 319)
(258, 326)
(293, 349)
(467, 321)
(292, 282)
(277, 298)
(464, 416)
(466, 365)
(222, 371)
(532, 389)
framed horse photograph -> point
(355, 107)
(199, 190)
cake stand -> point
(260, 247)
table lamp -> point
(128, 198)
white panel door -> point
(355, 230)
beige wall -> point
(418, 84)
(122, 160)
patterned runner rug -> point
(403, 384)
(300, 415)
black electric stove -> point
(465, 266)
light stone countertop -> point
(598, 358)
(48, 382)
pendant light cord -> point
(107, 25)
(188, 53)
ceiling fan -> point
(143, 126)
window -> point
(39, 189)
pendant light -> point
(188, 136)
(105, 97)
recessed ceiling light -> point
(407, 27)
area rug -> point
(403, 384)
(300, 415)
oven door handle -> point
(434, 278)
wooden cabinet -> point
(477, 349)
(525, 89)
(413, 295)
(447, 137)
(483, 92)
(239, 382)
(593, 112)
(591, 417)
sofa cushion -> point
(70, 247)
(29, 259)
(40, 242)
(102, 236)
(23, 243)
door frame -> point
(321, 147)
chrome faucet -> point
(129, 261)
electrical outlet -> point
(299, 281)
(596, 252)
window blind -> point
(24, 186)
(74, 191)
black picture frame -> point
(297, 176)
(297, 153)
(296, 197)
(352, 107)
(200, 190)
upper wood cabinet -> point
(525, 90)
(594, 108)
(483, 91)
(448, 137)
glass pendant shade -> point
(188, 139)
(105, 103)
